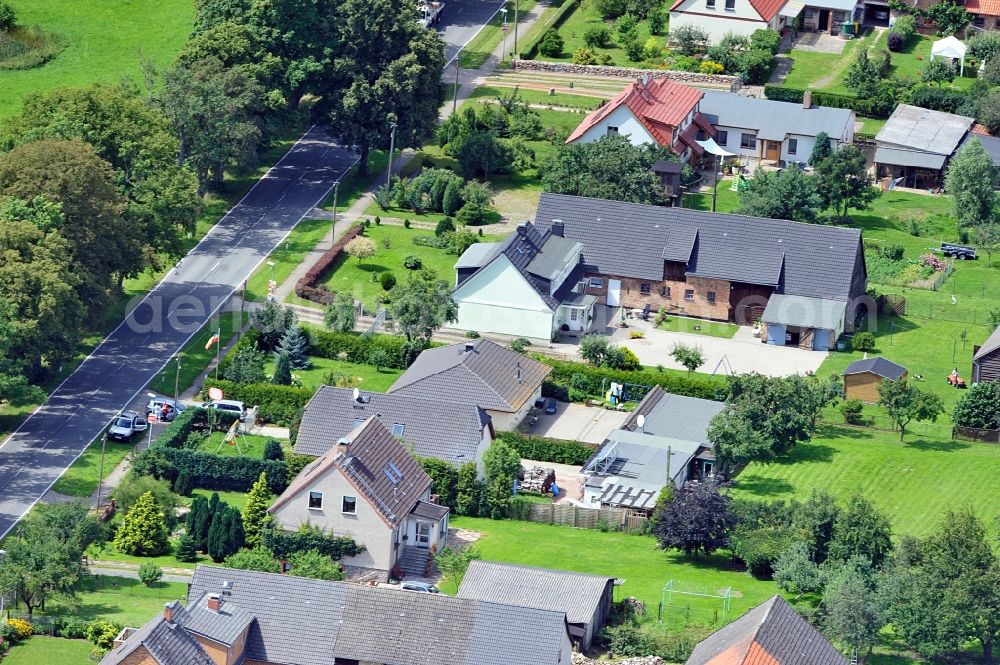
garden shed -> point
(808, 323)
(863, 377)
(986, 359)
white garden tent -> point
(950, 47)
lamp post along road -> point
(392, 146)
(177, 375)
(515, 28)
(454, 96)
(503, 29)
(333, 229)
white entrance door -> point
(614, 292)
(423, 534)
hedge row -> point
(278, 404)
(557, 19)
(867, 107)
(558, 451)
(192, 418)
(210, 471)
(592, 380)
(285, 543)
(356, 348)
(306, 287)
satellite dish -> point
(641, 420)
(357, 394)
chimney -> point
(214, 602)
(807, 99)
(558, 228)
(470, 347)
(168, 611)
(343, 444)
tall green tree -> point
(501, 467)
(271, 321)
(255, 511)
(295, 344)
(821, 149)
(315, 564)
(979, 406)
(696, 519)
(609, 168)
(844, 181)
(905, 403)
(213, 113)
(143, 531)
(853, 616)
(102, 242)
(418, 307)
(14, 386)
(786, 194)
(863, 75)
(386, 70)
(860, 530)
(341, 314)
(970, 180)
(225, 534)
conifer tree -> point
(282, 370)
(295, 345)
(255, 511)
(144, 531)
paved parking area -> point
(568, 478)
(743, 353)
(578, 422)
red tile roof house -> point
(647, 111)
(985, 13)
(719, 17)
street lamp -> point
(503, 29)
(454, 96)
(392, 146)
(149, 425)
(271, 285)
(515, 26)
(177, 384)
(333, 229)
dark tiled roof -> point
(576, 594)
(167, 643)
(991, 144)
(478, 372)
(629, 240)
(224, 626)
(771, 633)
(311, 622)
(431, 511)
(880, 366)
(377, 465)
(991, 344)
(447, 430)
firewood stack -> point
(538, 479)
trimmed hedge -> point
(306, 287)
(558, 451)
(558, 19)
(192, 418)
(278, 404)
(357, 348)
(589, 379)
(871, 108)
(285, 543)
(210, 471)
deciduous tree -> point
(787, 194)
(844, 181)
(696, 519)
(860, 530)
(979, 406)
(341, 315)
(246, 366)
(361, 248)
(259, 558)
(418, 307)
(853, 616)
(795, 571)
(271, 321)
(905, 403)
(690, 356)
(970, 180)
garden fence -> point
(885, 424)
(976, 434)
(610, 519)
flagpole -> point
(218, 346)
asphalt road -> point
(34, 456)
(463, 18)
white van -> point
(228, 405)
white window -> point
(612, 131)
(574, 314)
(793, 146)
(398, 429)
(596, 283)
(748, 141)
(730, 5)
(688, 294)
(315, 501)
(349, 505)
(709, 4)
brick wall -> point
(732, 82)
(699, 306)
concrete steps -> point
(413, 561)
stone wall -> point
(693, 78)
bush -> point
(413, 262)
(626, 640)
(278, 404)
(626, 25)
(71, 628)
(22, 630)
(893, 252)
(387, 280)
(149, 573)
(102, 633)
(852, 410)
(306, 287)
(656, 22)
(584, 56)
(689, 39)
(273, 451)
(863, 341)
(634, 51)
(551, 44)
(905, 27)
(444, 225)
(520, 344)
(355, 347)
(597, 37)
(209, 471)
(472, 334)
(611, 8)
(590, 381)
(979, 406)
(8, 19)
(710, 67)
(558, 451)
(767, 40)
(285, 543)
(756, 65)
(896, 43)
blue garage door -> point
(821, 340)
(776, 334)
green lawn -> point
(288, 256)
(586, 17)
(81, 478)
(106, 40)
(633, 558)
(234, 499)
(42, 649)
(356, 278)
(699, 327)
(871, 125)
(323, 369)
(194, 357)
(250, 445)
(910, 61)
(912, 482)
(119, 599)
(480, 47)
(568, 100)
(107, 552)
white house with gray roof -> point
(664, 441)
(451, 431)
(768, 130)
(243, 616)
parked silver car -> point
(156, 404)
(421, 587)
(125, 425)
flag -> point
(214, 339)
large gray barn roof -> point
(477, 372)
(922, 129)
(991, 144)
(775, 120)
(629, 240)
(991, 344)
(447, 430)
(576, 594)
(312, 622)
(675, 416)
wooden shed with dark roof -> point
(986, 359)
(863, 377)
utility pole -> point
(100, 478)
(392, 146)
(454, 96)
(503, 29)
(333, 229)
(515, 28)
(177, 382)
